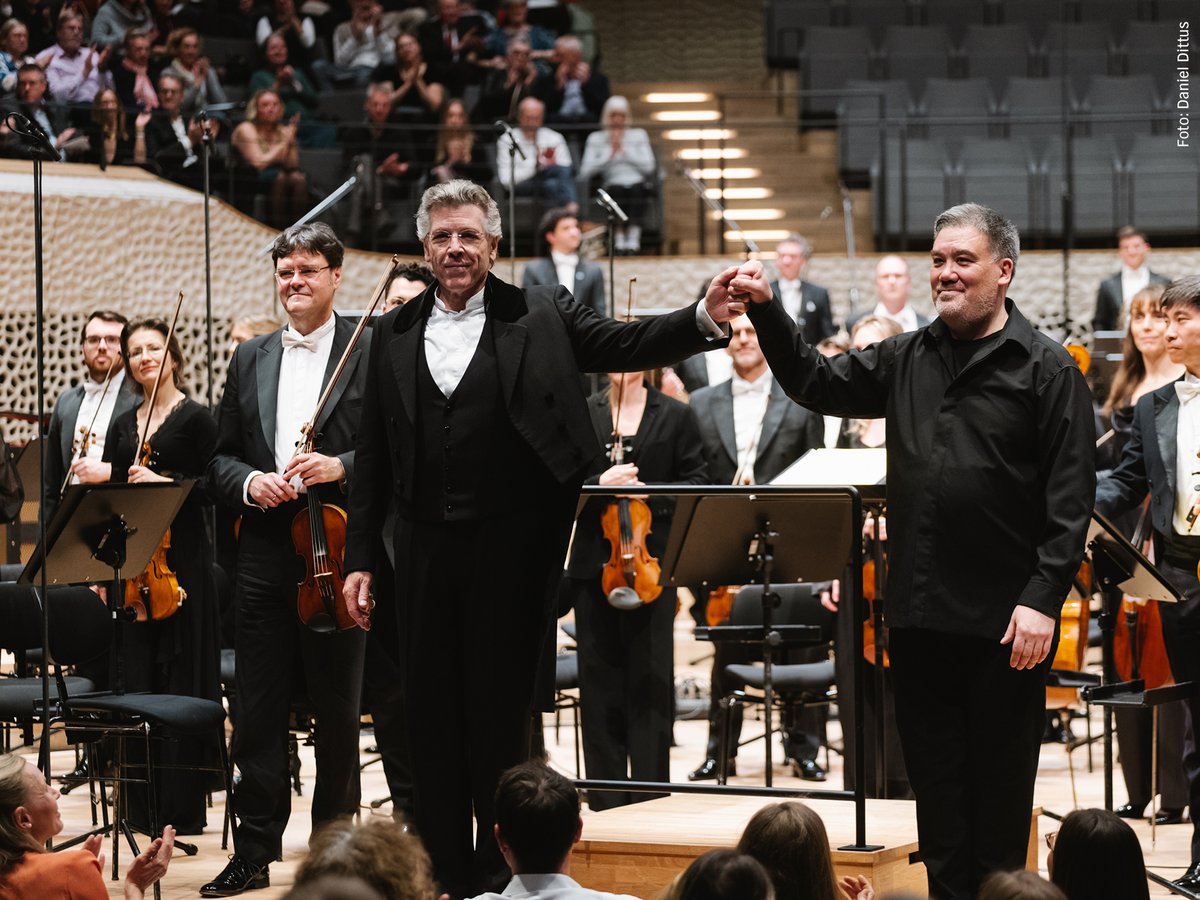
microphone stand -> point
(848, 222)
(613, 214)
(513, 150)
(205, 157)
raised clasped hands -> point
(730, 294)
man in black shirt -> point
(990, 487)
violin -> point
(871, 582)
(630, 577)
(319, 530)
(155, 594)
(87, 434)
(1138, 647)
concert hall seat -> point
(784, 24)
(1164, 185)
(1034, 107)
(913, 186)
(1099, 189)
(1147, 47)
(1122, 106)
(916, 52)
(952, 109)
(999, 173)
(996, 52)
(1078, 50)
(829, 58)
(859, 120)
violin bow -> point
(142, 452)
(112, 364)
(308, 429)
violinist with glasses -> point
(625, 635)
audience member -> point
(621, 159)
(40, 18)
(110, 140)
(270, 159)
(334, 887)
(1095, 855)
(298, 32)
(380, 852)
(537, 825)
(29, 817)
(131, 75)
(892, 283)
(789, 839)
(516, 27)
(455, 154)
(418, 90)
(116, 18)
(1116, 292)
(386, 157)
(806, 303)
(584, 279)
(574, 93)
(451, 41)
(721, 874)
(14, 53)
(75, 73)
(544, 169)
(360, 44)
(407, 280)
(201, 84)
(170, 16)
(30, 101)
(504, 90)
(1019, 885)
(173, 140)
(286, 81)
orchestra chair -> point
(566, 691)
(795, 685)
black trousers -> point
(626, 684)
(971, 729)
(1181, 634)
(279, 659)
(1134, 740)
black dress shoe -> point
(240, 875)
(808, 770)
(1169, 817)
(1131, 811)
(708, 771)
(1191, 878)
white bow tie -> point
(306, 341)
(742, 388)
(91, 388)
(1187, 390)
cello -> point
(319, 530)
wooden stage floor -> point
(687, 824)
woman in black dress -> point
(626, 664)
(178, 654)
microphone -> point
(611, 206)
(504, 128)
(34, 136)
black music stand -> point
(760, 538)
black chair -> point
(831, 57)
(1000, 173)
(859, 120)
(1077, 50)
(917, 52)
(795, 684)
(994, 51)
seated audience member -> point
(30, 101)
(452, 41)
(29, 817)
(385, 157)
(455, 154)
(360, 44)
(406, 281)
(380, 852)
(574, 93)
(1020, 885)
(201, 84)
(334, 887)
(14, 53)
(545, 169)
(298, 31)
(1095, 855)
(169, 16)
(722, 874)
(789, 839)
(537, 825)
(417, 85)
(289, 83)
(563, 265)
(173, 141)
(75, 73)
(131, 75)
(117, 18)
(515, 27)
(269, 159)
(111, 142)
(621, 159)
(504, 89)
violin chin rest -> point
(624, 598)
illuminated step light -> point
(729, 174)
(752, 215)
(686, 115)
(677, 97)
(699, 134)
(757, 234)
(711, 153)
(740, 193)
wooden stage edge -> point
(640, 848)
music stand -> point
(1120, 568)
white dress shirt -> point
(906, 318)
(544, 139)
(451, 339)
(527, 886)
(789, 293)
(750, 399)
(300, 376)
(565, 265)
(1132, 281)
(1187, 445)
(92, 391)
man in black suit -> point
(752, 432)
(271, 392)
(1116, 291)
(172, 140)
(584, 279)
(450, 42)
(806, 303)
(475, 417)
(892, 283)
(30, 101)
(1161, 460)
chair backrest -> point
(80, 625)
(799, 605)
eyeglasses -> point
(139, 352)
(1050, 839)
(95, 340)
(308, 273)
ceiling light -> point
(677, 97)
(728, 174)
(699, 134)
(711, 153)
(686, 115)
(752, 215)
(739, 193)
